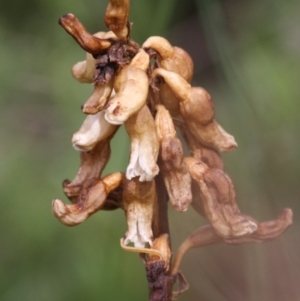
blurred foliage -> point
(247, 55)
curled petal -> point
(98, 99)
(144, 146)
(200, 152)
(174, 170)
(207, 235)
(141, 60)
(94, 129)
(116, 17)
(131, 86)
(84, 71)
(217, 197)
(91, 165)
(87, 41)
(162, 245)
(91, 199)
(171, 58)
(197, 109)
(139, 199)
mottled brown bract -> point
(116, 17)
(158, 281)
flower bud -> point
(91, 199)
(197, 109)
(139, 199)
(94, 129)
(175, 172)
(144, 146)
(116, 17)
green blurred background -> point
(247, 55)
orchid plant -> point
(147, 88)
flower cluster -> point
(147, 88)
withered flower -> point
(148, 89)
(171, 161)
(139, 200)
(144, 146)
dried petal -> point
(99, 98)
(87, 41)
(94, 129)
(172, 59)
(200, 152)
(218, 200)
(91, 199)
(131, 86)
(84, 71)
(174, 170)
(197, 109)
(91, 165)
(144, 146)
(207, 235)
(162, 245)
(139, 199)
(116, 17)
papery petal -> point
(217, 196)
(139, 199)
(144, 146)
(174, 170)
(94, 129)
(91, 166)
(197, 109)
(91, 199)
(131, 86)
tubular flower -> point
(148, 89)
(171, 160)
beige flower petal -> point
(94, 129)
(144, 146)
